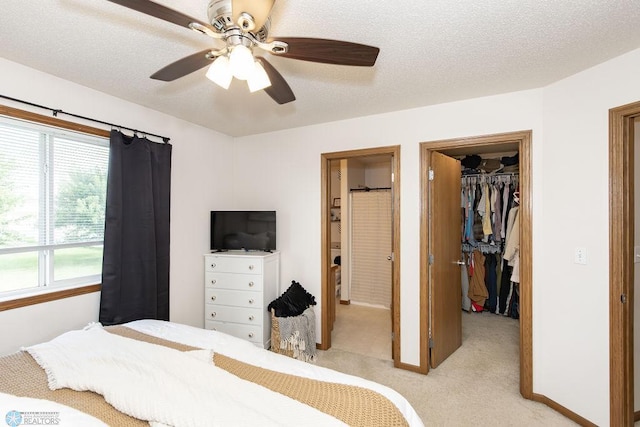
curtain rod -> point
(56, 112)
(370, 189)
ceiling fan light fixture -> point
(220, 72)
(259, 80)
(241, 62)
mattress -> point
(238, 357)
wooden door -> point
(445, 223)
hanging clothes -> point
(496, 197)
(491, 282)
(477, 289)
(512, 248)
(506, 201)
(505, 287)
(512, 261)
(490, 230)
(466, 301)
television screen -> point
(248, 230)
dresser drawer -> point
(244, 265)
(242, 282)
(233, 298)
(248, 332)
(238, 286)
(225, 313)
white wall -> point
(200, 158)
(378, 175)
(571, 301)
(570, 209)
(289, 180)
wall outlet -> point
(580, 256)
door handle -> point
(389, 258)
(460, 262)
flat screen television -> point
(248, 230)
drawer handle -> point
(250, 334)
(213, 265)
(251, 284)
(213, 314)
(213, 281)
(251, 317)
(251, 267)
(250, 300)
(213, 297)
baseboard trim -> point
(636, 416)
(562, 410)
(407, 367)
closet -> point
(489, 202)
(443, 169)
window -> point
(52, 201)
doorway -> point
(521, 142)
(621, 266)
(328, 214)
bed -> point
(158, 373)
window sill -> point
(48, 296)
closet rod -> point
(491, 174)
(370, 189)
(482, 247)
(56, 112)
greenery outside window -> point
(52, 202)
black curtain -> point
(135, 265)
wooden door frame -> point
(325, 159)
(523, 141)
(621, 271)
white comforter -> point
(165, 386)
(246, 352)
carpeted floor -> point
(363, 330)
(477, 385)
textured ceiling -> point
(431, 51)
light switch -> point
(581, 256)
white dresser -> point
(238, 287)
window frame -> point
(41, 295)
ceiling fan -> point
(243, 25)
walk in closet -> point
(477, 246)
(490, 233)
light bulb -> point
(241, 62)
(219, 72)
(259, 79)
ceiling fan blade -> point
(184, 66)
(329, 51)
(258, 9)
(162, 12)
(279, 89)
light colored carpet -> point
(477, 385)
(362, 329)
